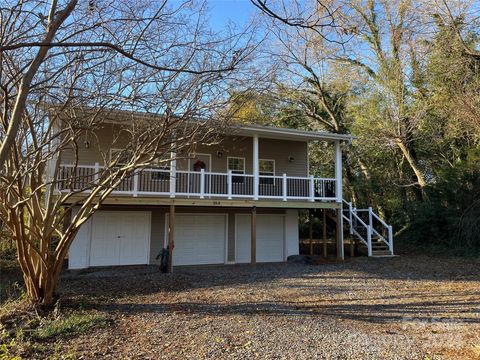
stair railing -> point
(389, 240)
(357, 220)
(350, 215)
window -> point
(266, 168)
(237, 166)
(161, 163)
(120, 156)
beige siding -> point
(109, 137)
(280, 151)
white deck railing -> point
(202, 184)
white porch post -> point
(229, 184)
(255, 167)
(135, 183)
(202, 183)
(173, 173)
(338, 172)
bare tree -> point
(150, 73)
(315, 15)
(371, 40)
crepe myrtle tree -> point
(147, 73)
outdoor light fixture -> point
(86, 144)
(291, 158)
(219, 154)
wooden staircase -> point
(368, 229)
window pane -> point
(266, 167)
(236, 164)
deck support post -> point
(171, 236)
(352, 246)
(310, 230)
(339, 235)
(324, 225)
(253, 239)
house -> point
(233, 202)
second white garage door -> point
(199, 239)
(270, 238)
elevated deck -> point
(160, 186)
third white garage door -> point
(270, 238)
(199, 239)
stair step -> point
(381, 252)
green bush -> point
(450, 216)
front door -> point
(197, 162)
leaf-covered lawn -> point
(408, 307)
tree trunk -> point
(40, 276)
(41, 287)
(410, 156)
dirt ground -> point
(385, 308)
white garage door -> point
(270, 238)
(120, 238)
(199, 239)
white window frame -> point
(266, 181)
(241, 179)
(236, 157)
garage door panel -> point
(104, 248)
(199, 239)
(270, 238)
(120, 238)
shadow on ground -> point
(351, 290)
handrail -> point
(208, 184)
(352, 213)
(379, 219)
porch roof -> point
(289, 134)
(116, 116)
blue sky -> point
(223, 11)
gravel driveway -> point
(397, 308)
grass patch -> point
(72, 324)
(25, 334)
